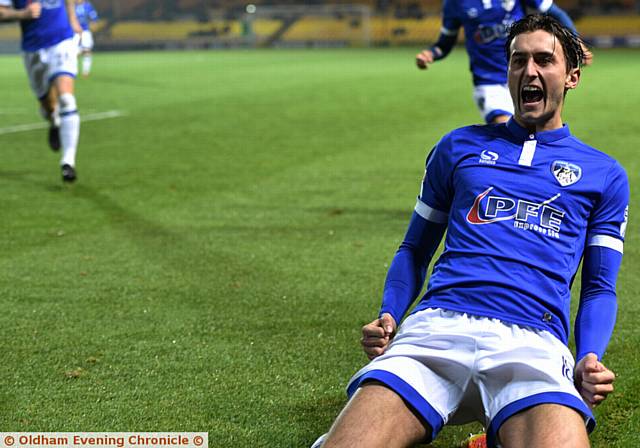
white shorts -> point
(44, 65)
(85, 40)
(493, 100)
(455, 368)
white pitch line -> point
(44, 125)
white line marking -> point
(45, 125)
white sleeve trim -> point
(606, 241)
(545, 5)
(448, 32)
(431, 214)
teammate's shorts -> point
(85, 40)
(493, 100)
(44, 65)
(453, 368)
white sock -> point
(69, 128)
(86, 64)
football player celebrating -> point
(50, 58)
(522, 203)
(485, 26)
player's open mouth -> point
(531, 94)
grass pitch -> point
(228, 237)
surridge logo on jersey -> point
(488, 157)
(526, 215)
(566, 173)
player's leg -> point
(526, 384)
(87, 56)
(376, 417)
(545, 426)
(69, 125)
(494, 102)
(50, 112)
(87, 62)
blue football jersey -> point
(51, 28)
(86, 14)
(520, 209)
(486, 24)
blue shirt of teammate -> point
(51, 28)
(86, 14)
(520, 211)
(486, 23)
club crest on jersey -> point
(488, 157)
(566, 173)
(539, 217)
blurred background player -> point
(486, 24)
(50, 58)
(86, 14)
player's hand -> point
(377, 335)
(424, 58)
(75, 25)
(593, 380)
(33, 10)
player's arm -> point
(71, 14)
(407, 272)
(404, 281)
(595, 322)
(30, 12)
(447, 38)
(598, 303)
(439, 50)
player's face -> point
(538, 80)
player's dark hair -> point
(571, 43)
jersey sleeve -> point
(450, 20)
(436, 192)
(540, 5)
(608, 221)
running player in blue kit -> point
(485, 24)
(522, 203)
(50, 58)
(86, 14)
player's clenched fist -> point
(424, 58)
(593, 380)
(33, 10)
(377, 335)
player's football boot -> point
(68, 173)
(475, 441)
(54, 138)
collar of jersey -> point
(521, 134)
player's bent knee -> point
(545, 426)
(376, 417)
(68, 104)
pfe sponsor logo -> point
(526, 215)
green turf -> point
(228, 238)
